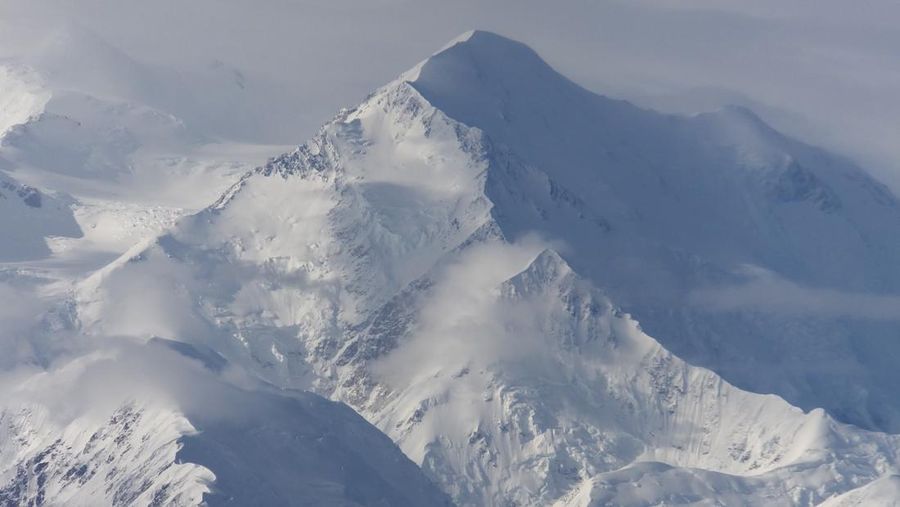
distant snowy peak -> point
(719, 168)
(504, 88)
(548, 268)
(655, 207)
(475, 55)
(540, 390)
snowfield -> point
(529, 294)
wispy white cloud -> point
(766, 292)
(463, 321)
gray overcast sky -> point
(826, 70)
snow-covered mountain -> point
(156, 425)
(80, 117)
(463, 258)
(107, 422)
(782, 247)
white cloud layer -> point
(769, 293)
(463, 320)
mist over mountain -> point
(482, 285)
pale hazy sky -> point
(826, 70)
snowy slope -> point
(81, 117)
(811, 320)
(126, 435)
(785, 252)
(884, 491)
(302, 247)
(569, 398)
(404, 261)
(29, 216)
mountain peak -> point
(498, 85)
(476, 45)
(476, 37)
(484, 40)
(548, 269)
(477, 59)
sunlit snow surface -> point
(464, 259)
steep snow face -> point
(711, 221)
(754, 196)
(92, 445)
(127, 459)
(571, 402)
(125, 435)
(403, 261)
(303, 249)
